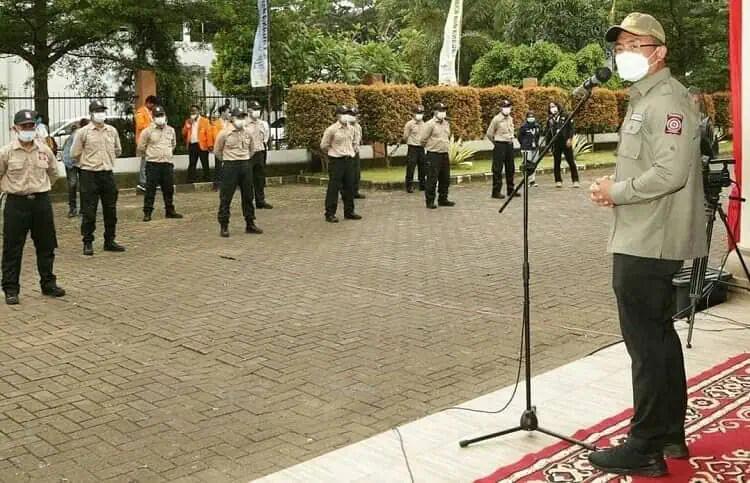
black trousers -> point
(415, 159)
(357, 173)
(236, 174)
(643, 287)
(502, 158)
(71, 175)
(217, 170)
(194, 153)
(22, 215)
(259, 177)
(96, 185)
(438, 176)
(340, 179)
(557, 152)
(159, 174)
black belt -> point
(235, 160)
(31, 196)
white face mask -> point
(531, 120)
(240, 123)
(506, 111)
(346, 119)
(160, 121)
(99, 117)
(418, 117)
(255, 114)
(553, 110)
(632, 66)
(25, 136)
(441, 115)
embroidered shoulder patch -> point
(42, 156)
(674, 124)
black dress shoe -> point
(72, 213)
(11, 298)
(431, 206)
(113, 246)
(54, 292)
(446, 203)
(146, 218)
(224, 231)
(498, 196)
(174, 215)
(352, 216)
(678, 451)
(332, 219)
(264, 206)
(410, 189)
(359, 196)
(88, 249)
(626, 460)
(251, 228)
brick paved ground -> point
(194, 358)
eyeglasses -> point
(620, 48)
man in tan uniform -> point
(156, 145)
(260, 133)
(28, 170)
(659, 221)
(338, 144)
(435, 137)
(415, 152)
(94, 150)
(234, 147)
(502, 132)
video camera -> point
(716, 174)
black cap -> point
(418, 108)
(439, 106)
(238, 112)
(254, 105)
(355, 110)
(159, 111)
(506, 103)
(531, 113)
(97, 106)
(25, 116)
(343, 109)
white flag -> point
(451, 44)
(260, 72)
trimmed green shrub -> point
(464, 109)
(491, 98)
(311, 108)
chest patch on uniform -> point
(674, 124)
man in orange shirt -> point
(224, 118)
(143, 119)
(199, 139)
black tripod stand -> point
(712, 188)
(529, 421)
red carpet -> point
(718, 434)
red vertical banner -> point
(735, 69)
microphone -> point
(601, 76)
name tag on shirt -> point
(637, 117)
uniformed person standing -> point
(435, 137)
(28, 169)
(528, 137)
(659, 221)
(224, 120)
(234, 147)
(156, 145)
(357, 161)
(95, 149)
(501, 133)
(415, 152)
(260, 133)
(338, 144)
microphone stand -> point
(529, 421)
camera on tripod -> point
(716, 174)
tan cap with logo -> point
(640, 24)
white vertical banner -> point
(451, 44)
(260, 72)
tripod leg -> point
(734, 242)
(566, 438)
(466, 442)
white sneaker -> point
(576, 185)
(558, 184)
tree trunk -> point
(41, 94)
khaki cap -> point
(640, 24)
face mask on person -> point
(553, 110)
(506, 111)
(25, 136)
(441, 115)
(99, 117)
(632, 66)
(346, 119)
(240, 123)
(160, 121)
(531, 120)
(255, 114)
(418, 117)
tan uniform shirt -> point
(501, 129)
(435, 136)
(338, 140)
(411, 132)
(234, 144)
(658, 189)
(256, 129)
(157, 144)
(95, 148)
(27, 172)
(357, 136)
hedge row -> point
(385, 108)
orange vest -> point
(205, 133)
(142, 121)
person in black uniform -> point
(563, 145)
(28, 169)
(528, 137)
(260, 132)
(415, 153)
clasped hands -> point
(601, 192)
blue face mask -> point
(531, 120)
